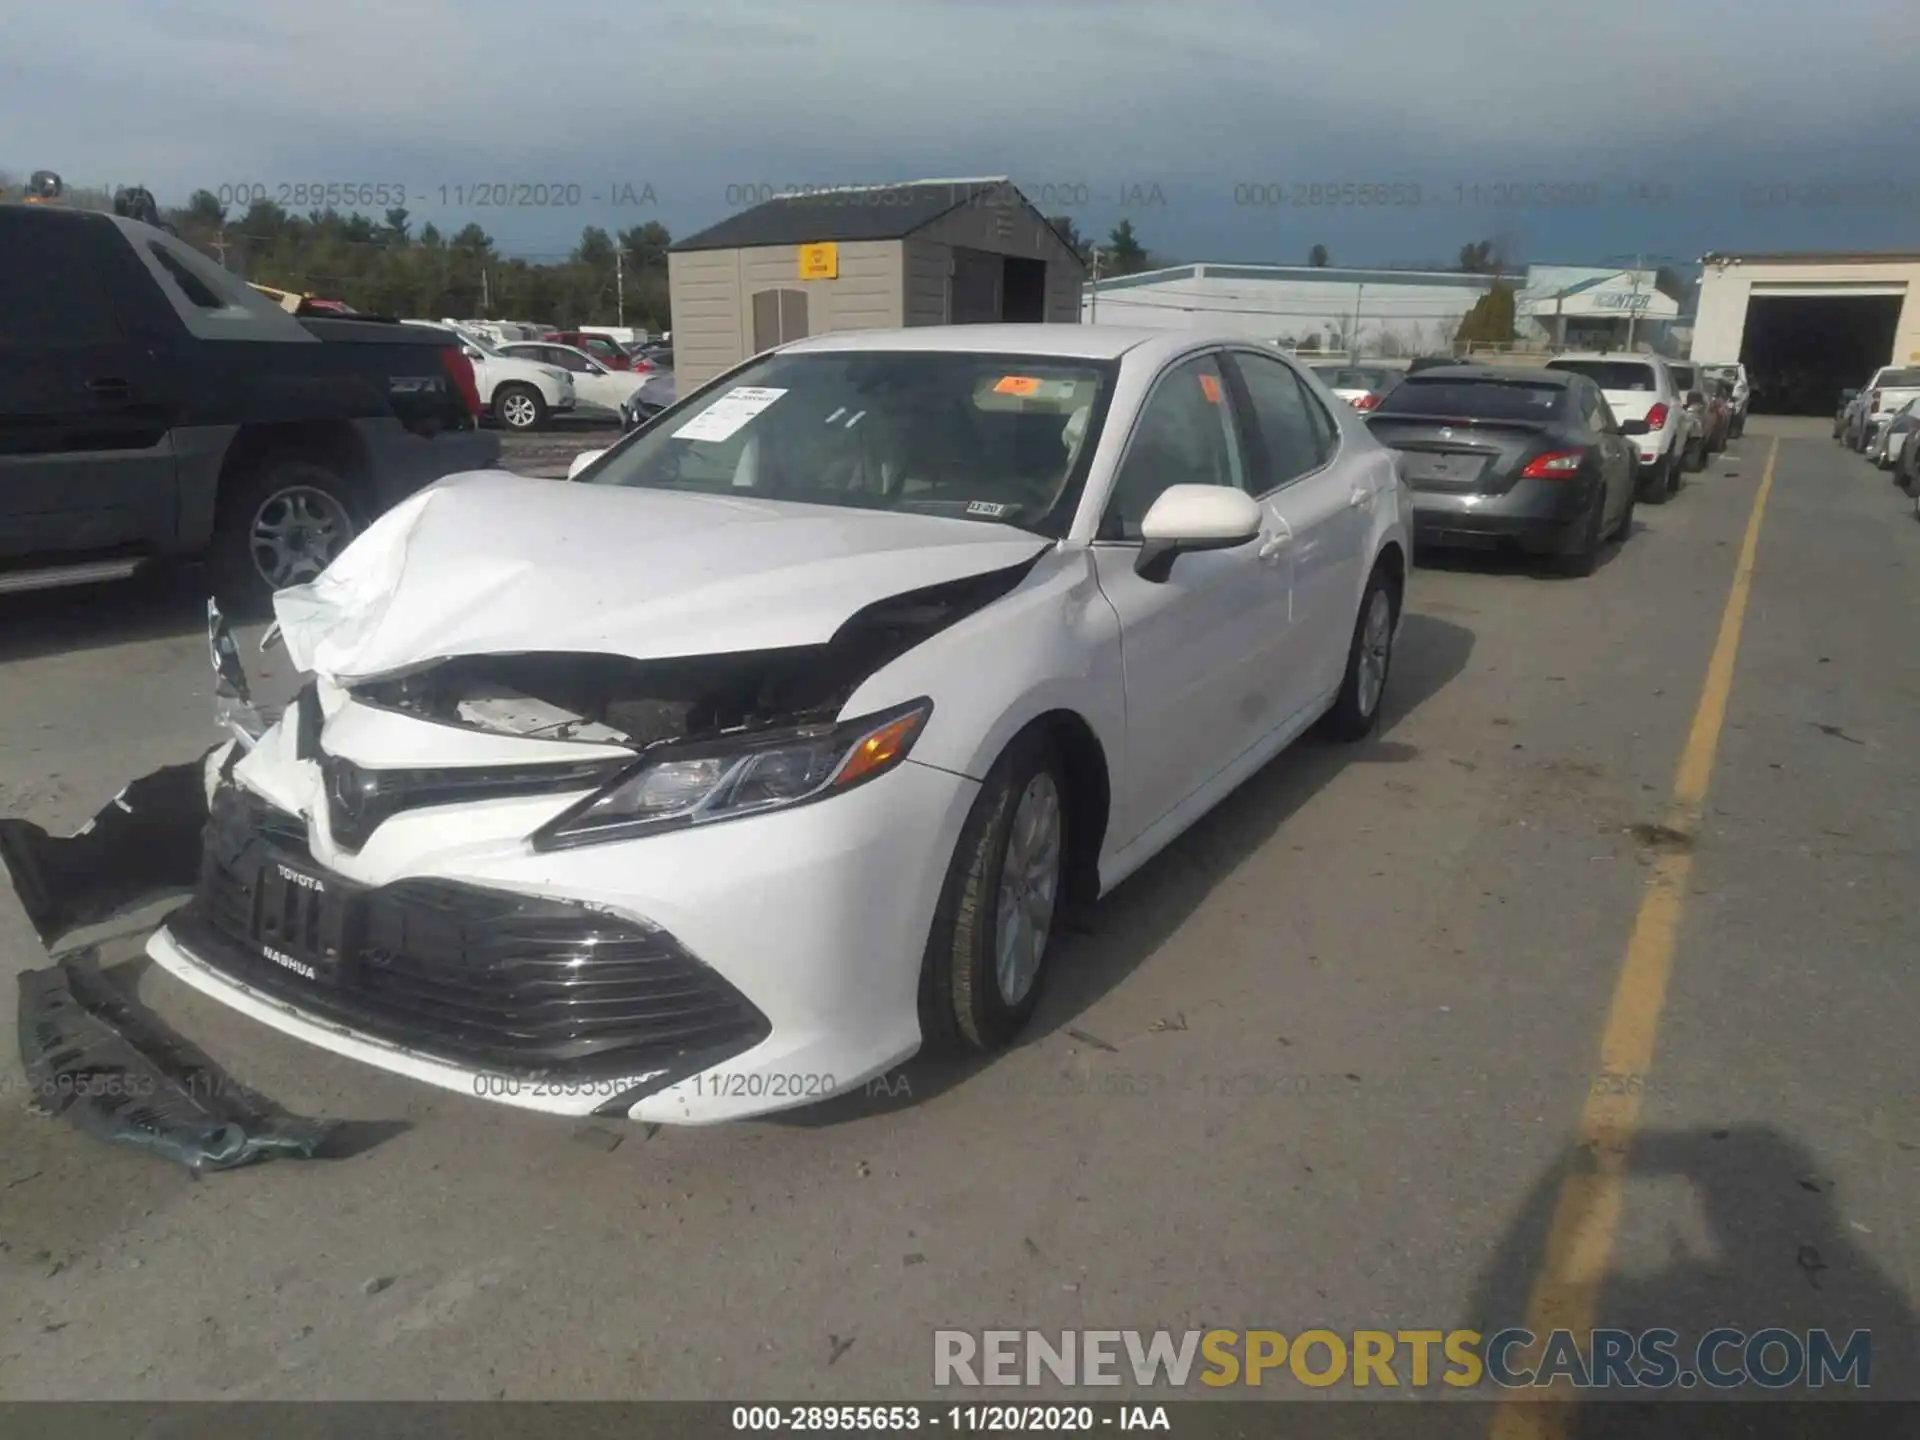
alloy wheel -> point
(1029, 889)
(1376, 644)
(296, 533)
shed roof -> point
(855, 212)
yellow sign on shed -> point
(820, 262)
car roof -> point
(1065, 340)
(1615, 358)
(1558, 379)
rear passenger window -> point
(197, 291)
(50, 289)
(1295, 432)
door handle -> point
(109, 388)
(1360, 496)
(1272, 547)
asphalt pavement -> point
(1331, 1060)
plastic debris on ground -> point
(107, 1065)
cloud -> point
(695, 95)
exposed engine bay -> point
(613, 699)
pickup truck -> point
(155, 407)
(1891, 387)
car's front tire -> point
(1356, 710)
(986, 960)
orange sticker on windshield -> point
(1210, 387)
(1017, 385)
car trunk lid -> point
(1448, 455)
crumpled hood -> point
(493, 563)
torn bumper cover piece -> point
(106, 1065)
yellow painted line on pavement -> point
(1566, 1292)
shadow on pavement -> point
(1778, 1256)
(160, 603)
(1132, 923)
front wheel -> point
(987, 955)
(1356, 710)
(520, 407)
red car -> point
(603, 348)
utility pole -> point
(619, 288)
(1633, 303)
(1093, 293)
(486, 294)
(1353, 335)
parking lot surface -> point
(1324, 1062)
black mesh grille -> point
(480, 977)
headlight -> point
(685, 785)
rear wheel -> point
(987, 954)
(1656, 486)
(1356, 710)
(281, 524)
(1586, 558)
(1625, 527)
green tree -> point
(1125, 254)
(1477, 258)
(1317, 257)
(1068, 231)
(1491, 318)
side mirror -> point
(1635, 427)
(1193, 517)
(1847, 396)
(582, 461)
(473, 352)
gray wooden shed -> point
(925, 252)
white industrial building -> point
(1389, 312)
(1588, 308)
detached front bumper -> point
(1538, 516)
(702, 975)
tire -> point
(966, 1004)
(1658, 487)
(1694, 458)
(1625, 527)
(1356, 709)
(519, 408)
(280, 524)
(1585, 560)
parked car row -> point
(1551, 461)
(1865, 415)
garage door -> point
(1828, 289)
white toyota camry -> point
(774, 746)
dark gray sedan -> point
(1507, 458)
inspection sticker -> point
(1017, 385)
(988, 508)
(1210, 387)
(723, 419)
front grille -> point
(475, 976)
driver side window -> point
(1185, 436)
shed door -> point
(778, 316)
(975, 294)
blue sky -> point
(1631, 127)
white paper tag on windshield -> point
(723, 419)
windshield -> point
(1001, 438)
(1897, 379)
(1474, 399)
(1609, 374)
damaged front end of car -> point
(347, 880)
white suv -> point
(518, 394)
(1641, 387)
